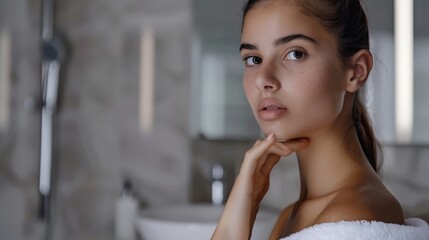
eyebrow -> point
(280, 41)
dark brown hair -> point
(347, 20)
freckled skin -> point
(312, 89)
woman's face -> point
(293, 77)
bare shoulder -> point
(364, 203)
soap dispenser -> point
(125, 213)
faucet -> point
(218, 184)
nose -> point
(267, 79)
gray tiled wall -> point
(98, 142)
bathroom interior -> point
(96, 93)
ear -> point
(360, 66)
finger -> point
(274, 155)
(284, 150)
(261, 160)
(255, 153)
(257, 143)
(279, 150)
(297, 144)
(272, 160)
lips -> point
(269, 109)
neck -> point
(333, 161)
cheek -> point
(246, 85)
(249, 90)
(320, 97)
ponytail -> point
(370, 146)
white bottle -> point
(125, 214)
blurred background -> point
(150, 91)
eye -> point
(252, 60)
(295, 55)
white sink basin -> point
(189, 222)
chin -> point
(281, 134)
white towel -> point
(414, 229)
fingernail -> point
(269, 137)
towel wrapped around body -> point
(414, 229)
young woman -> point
(305, 63)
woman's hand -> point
(251, 185)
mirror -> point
(220, 108)
(221, 111)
